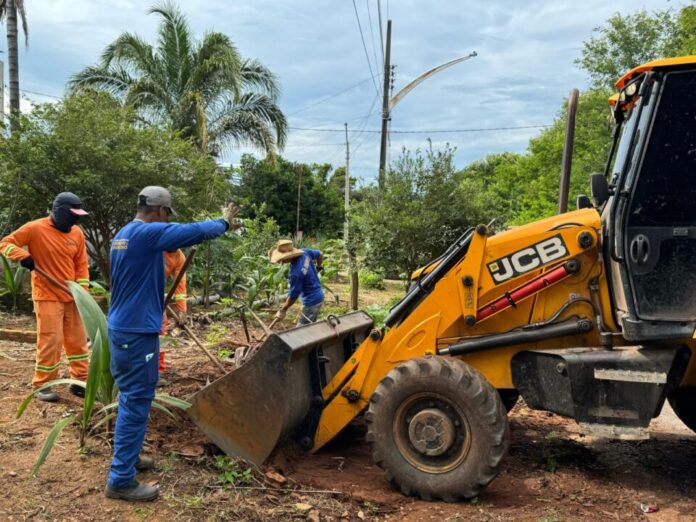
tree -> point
(90, 145)
(203, 89)
(272, 182)
(524, 187)
(626, 41)
(423, 208)
(9, 9)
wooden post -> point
(346, 232)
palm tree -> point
(9, 9)
(203, 89)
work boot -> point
(145, 463)
(47, 395)
(77, 390)
(136, 492)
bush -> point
(370, 279)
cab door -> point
(658, 221)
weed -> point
(216, 333)
(144, 513)
(551, 516)
(166, 465)
(230, 472)
(193, 502)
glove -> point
(320, 268)
(229, 212)
(280, 314)
(28, 263)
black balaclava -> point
(61, 214)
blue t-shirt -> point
(304, 280)
(137, 270)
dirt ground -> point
(552, 474)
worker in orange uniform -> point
(57, 246)
(173, 263)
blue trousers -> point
(134, 365)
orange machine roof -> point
(664, 62)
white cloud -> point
(521, 76)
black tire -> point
(683, 402)
(453, 414)
(509, 398)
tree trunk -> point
(13, 56)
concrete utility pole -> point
(389, 104)
(352, 266)
(381, 180)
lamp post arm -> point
(427, 74)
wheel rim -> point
(431, 432)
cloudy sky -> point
(523, 71)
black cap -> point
(71, 201)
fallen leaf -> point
(191, 451)
(313, 516)
(361, 515)
(302, 507)
(276, 478)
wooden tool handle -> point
(52, 280)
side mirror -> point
(583, 201)
(600, 189)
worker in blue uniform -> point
(135, 321)
(305, 265)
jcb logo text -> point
(527, 259)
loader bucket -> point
(276, 394)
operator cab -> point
(649, 212)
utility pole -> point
(385, 110)
(2, 91)
(298, 169)
(352, 268)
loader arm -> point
(461, 306)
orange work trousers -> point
(58, 325)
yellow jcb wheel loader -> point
(589, 314)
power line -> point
(367, 55)
(434, 131)
(330, 96)
(372, 33)
(381, 34)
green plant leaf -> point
(7, 272)
(95, 321)
(93, 377)
(103, 421)
(25, 403)
(106, 408)
(50, 441)
(173, 401)
(166, 410)
(18, 278)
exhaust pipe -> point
(568, 152)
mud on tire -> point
(437, 428)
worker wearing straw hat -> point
(305, 264)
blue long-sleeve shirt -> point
(137, 270)
(304, 280)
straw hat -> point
(283, 251)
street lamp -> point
(389, 104)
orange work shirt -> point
(62, 255)
(173, 263)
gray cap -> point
(155, 196)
